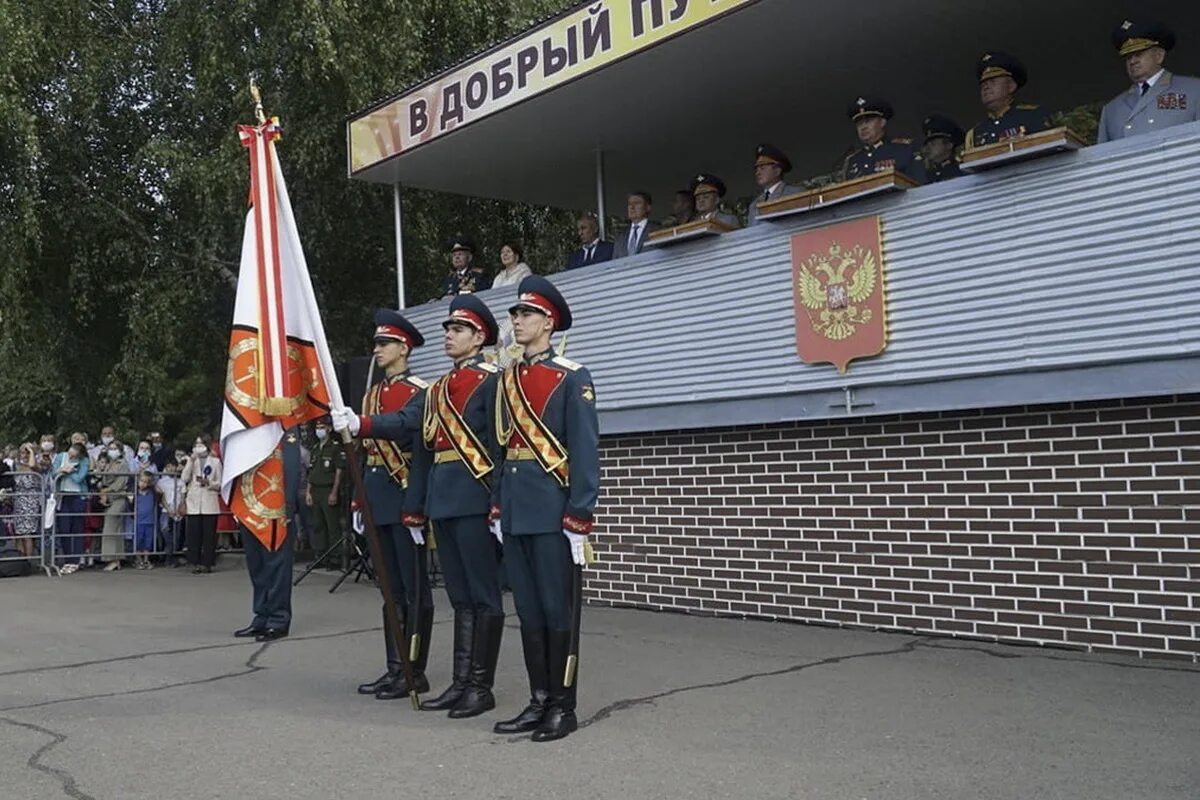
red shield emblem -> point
(838, 284)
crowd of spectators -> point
(108, 504)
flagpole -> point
(336, 403)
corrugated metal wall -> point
(1074, 260)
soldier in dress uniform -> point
(324, 489)
(465, 276)
(1157, 98)
(397, 498)
(878, 153)
(546, 419)
(943, 137)
(708, 191)
(456, 457)
(1000, 76)
(271, 570)
(770, 165)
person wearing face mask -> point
(324, 488)
(144, 458)
(116, 483)
(160, 456)
(69, 471)
(202, 481)
(45, 455)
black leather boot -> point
(533, 643)
(399, 686)
(559, 720)
(485, 651)
(393, 665)
(464, 635)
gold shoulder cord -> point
(503, 433)
(429, 421)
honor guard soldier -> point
(1157, 99)
(770, 165)
(270, 568)
(324, 489)
(708, 191)
(943, 137)
(396, 495)
(878, 153)
(546, 419)
(456, 457)
(1000, 75)
(465, 277)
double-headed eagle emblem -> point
(832, 285)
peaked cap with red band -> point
(539, 294)
(470, 310)
(392, 326)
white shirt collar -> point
(1153, 79)
(771, 189)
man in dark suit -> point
(637, 209)
(592, 250)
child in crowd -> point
(145, 513)
(170, 488)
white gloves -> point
(344, 419)
(495, 526)
(576, 540)
(357, 522)
(418, 536)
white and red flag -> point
(280, 371)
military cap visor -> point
(767, 154)
(1133, 37)
(391, 326)
(868, 107)
(539, 294)
(708, 183)
(461, 242)
(469, 310)
(937, 126)
(998, 65)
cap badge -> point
(1126, 25)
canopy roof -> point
(780, 71)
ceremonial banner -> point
(838, 283)
(280, 372)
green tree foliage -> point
(123, 190)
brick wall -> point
(1073, 525)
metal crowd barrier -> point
(22, 513)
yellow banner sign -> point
(563, 49)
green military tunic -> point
(328, 461)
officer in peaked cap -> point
(770, 165)
(708, 190)
(943, 137)
(878, 153)
(542, 511)
(396, 496)
(464, 276)
(1156, 97)
(456, 458)
(1000, 75)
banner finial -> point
(258, 106)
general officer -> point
(1000, 76)
(465, 276)
(878, 153)
(943, 137)
(459, 450)
(770, 165)
(546, 419)
(270, 567)
(1158, 98)
(396, 496)
(324, 489)
(708, 191)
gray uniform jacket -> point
(1172, 100)
(722, 216)
(783, 190)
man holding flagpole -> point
(461, 454)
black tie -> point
(766, 195)
(1145, 87)
(588, 255)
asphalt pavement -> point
(129, 685)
